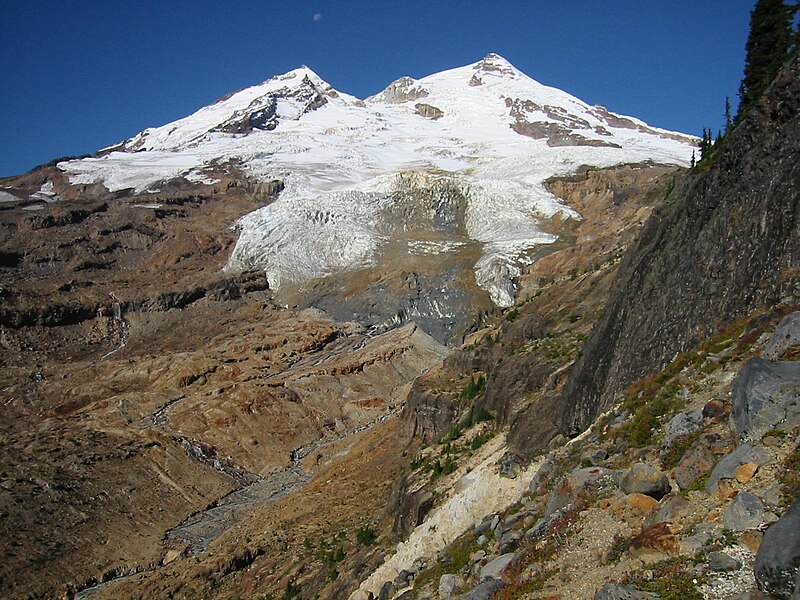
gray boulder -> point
(614, 591)
(777, 566)
(645, 479)
(684, 423)
(786, 335)
(766, 395)
(448, 586)
(726, 467)
(746, 511)
(483, 591)
(494, 569)
(721, 562)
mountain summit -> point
(354, 170)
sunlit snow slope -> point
(486, 130)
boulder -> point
(746, 511)
(696, 462)
(448, 586)
(494, 568)
(721, 562)
(766, 395)
(483, 591)
(615, 591)
(726, 467)
(672, 510)
(684, 423)
(777, 566)
(645, 479)
(786, 335)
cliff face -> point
(725, 243)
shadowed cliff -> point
(725, 243)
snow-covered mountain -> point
(443, 164)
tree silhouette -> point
(768, 44)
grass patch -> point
(671, 581)
(480, 439)
(455, 557)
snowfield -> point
(485, 129)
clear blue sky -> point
(81, 75)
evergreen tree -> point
(728, 122)
(768, 45)
(705, 144)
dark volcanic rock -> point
(719, 561)
(614, 591)
(408, 506)
(766, 395)
(725, 243)
(778, 560)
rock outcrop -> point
(727, 241)
(777, 570)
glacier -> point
(485, 135)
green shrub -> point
(292, 590)
(619, 546)
(474, 388)
(366, 536)
(456, 556)
(480, 439)
(671, 581)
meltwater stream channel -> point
(198, 531)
